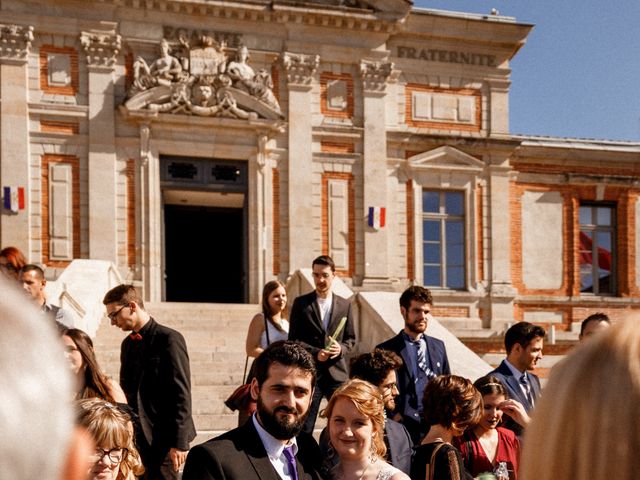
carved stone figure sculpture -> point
(200, 82)
(245, 78)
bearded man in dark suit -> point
(269, 446)
(424, 358)
(155, 377)
(313, 320)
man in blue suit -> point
(523, 343)
(424, 358)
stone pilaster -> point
(101, 50)
(15, 44)
(376, 247)
(300, 70)
(501, 291)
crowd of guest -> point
(394, 413)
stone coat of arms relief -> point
(202, 81)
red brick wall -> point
(459, 127)
(326, 111)
(71, 89)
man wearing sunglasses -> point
(155, 376)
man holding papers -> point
(321, 321)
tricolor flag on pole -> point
(377, 217)
(13, 198)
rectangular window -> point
(597, 249)
(443, 252)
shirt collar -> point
(407, 338)
(516, 373)
(272, 445)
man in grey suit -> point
(313, 320)
(523, 343)
(269, 446)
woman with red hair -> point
(11, 261)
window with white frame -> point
(597, 248)
(443, 233)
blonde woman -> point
(115, 457)
(587, 423)
(355, 416)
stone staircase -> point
(215, 336)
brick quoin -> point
(411, 274)
(276, 219)
(130, 183)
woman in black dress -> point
(451, 404)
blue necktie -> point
(524, 381)
(291, 462)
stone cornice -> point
(375, 74)
(276, 12)
(101, 48)
(15, 42)
(300, 68)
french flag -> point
(14, 198)
(377, 217)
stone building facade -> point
(206, 147)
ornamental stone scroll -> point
(15, 42)
(101, 49)
(375, 74)
(300, 68)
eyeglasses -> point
(112, 316)
(116, 455)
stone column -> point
(149, 213)
(260, 219)
(15, 43)
(101, 50)
(376, 248)
(501, 291)
(300, 70)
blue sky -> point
(579, 73)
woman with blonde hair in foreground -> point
(356, 418)
(115, 457)
(587, 423)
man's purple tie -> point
(291, 462)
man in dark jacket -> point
(155, 377)
(269, 445)
(314, 320)
(424, 358)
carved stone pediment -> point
(446, 158)
(201, 80)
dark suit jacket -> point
(396, 438)
(406, 381)
(305, 326)
(155, 376)
(511, 383)
(240, 455)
